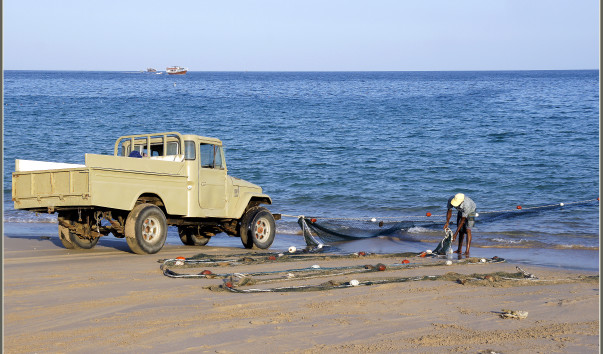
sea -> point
(351, 146)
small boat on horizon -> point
(176, 70)
(151, 70)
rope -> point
(423, 217)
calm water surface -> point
(347, 144)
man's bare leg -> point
(461, 236)
(468, 242)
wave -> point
(419, 230)
(46, 219)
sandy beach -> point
(109, 300)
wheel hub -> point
(262, 229)
(151, 229)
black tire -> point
(72, 241)
(146, 229)
(263, 229)
(257, 228)
(245, 226)
(65, 237)
(191, 236)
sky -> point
(301, 35)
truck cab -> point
(182, 179)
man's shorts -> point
(468, 223)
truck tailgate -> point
(62, 187)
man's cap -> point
(457, 200)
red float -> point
(428, 214)
(406, 261)
(361, 253)
(206, 272)
(313, 220)
(181, 258)
(519, 207)
(272, 258)
(381, 267)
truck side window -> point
(189, 150)
(211, 156)
(172, 148)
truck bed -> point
(106, 181)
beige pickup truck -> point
(150, 182)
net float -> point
(428, 214)
(206, 272)
(228, 284)
(292, 249)
(428, 251)
(406, 261)
(448, 263)
(313, 220)
(354, 282)
(179, 263)
(423, 254)
(316, 266)
(519, 207)
(182, 258)
(483, 260)
(362, 253)
(272, 258)
(381, 267)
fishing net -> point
(445, 245)
(319, 231)
(327, 231)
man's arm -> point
(448, 215)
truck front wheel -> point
(257, 228)
(146, 229)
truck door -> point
(212, 178)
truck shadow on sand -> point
(116, 244)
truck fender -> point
(248, 198)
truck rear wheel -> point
(257, 228)
(191, 236)
(146, 229)
(65, 237)
(72, 241)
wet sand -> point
(109, 300)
